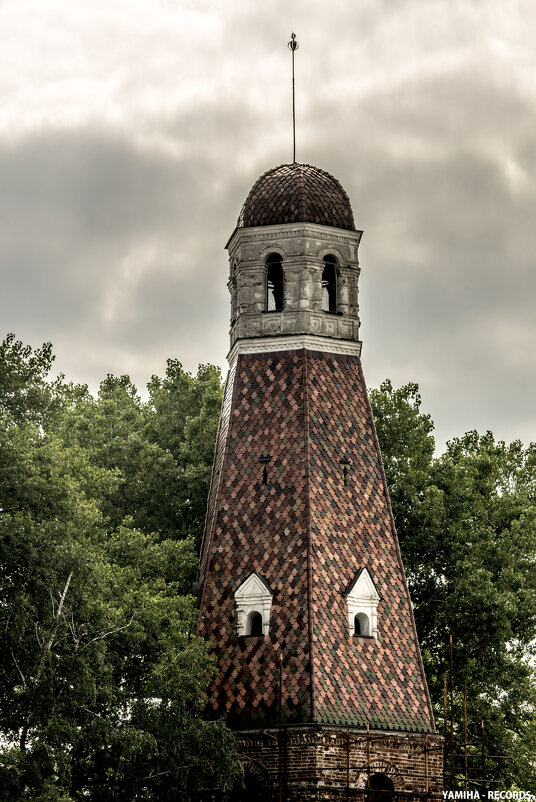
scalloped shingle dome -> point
(297, 193)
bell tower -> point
(303, 592)
(285, 278)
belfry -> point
(303, 592)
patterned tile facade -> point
(379, 681)
(219, 456)
(261, 528)
(297, 193)
(307, 534)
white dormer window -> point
(362, 599)
(253, 604)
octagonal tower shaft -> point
(298, 497)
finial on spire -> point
(293, 46)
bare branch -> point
(152, 774)
(53, 603)
(23, 678)
(40, 641)
(98, 715)
(64, 594)
(60, 608)
(109, 632)
(76, 633)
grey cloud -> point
(87, 214)
(112, 243)
(451, 317)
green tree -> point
(467, 526)
(161, 450)
(102, 676)
(24, 393)
(183, 416)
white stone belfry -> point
(253, 596)
(362, 599)
(302, 248)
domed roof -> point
(297, 193)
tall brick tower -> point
(301, 575)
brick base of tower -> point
(334, 763)
(302, 763)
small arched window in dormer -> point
(274, 283)
(361, 625)
(329, 284)
(254, 625)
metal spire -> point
(293, 46)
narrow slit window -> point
(274, 283)
(329, 284)
(345, 465)
(264, 460)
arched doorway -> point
(381, 788)
(255, 785)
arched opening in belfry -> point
(274, 283)
(329, 284)
(233, 290)
(254, 626)
(381, 788)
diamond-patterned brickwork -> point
(357, 680)
(261, 528)
(307, 411)
(219, 455)
(297, 193)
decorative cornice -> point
(293, 342)
(288, 230)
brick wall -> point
(329, 763)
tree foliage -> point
(466, 521)
(161, 449)
(102, 676)
(102, 503)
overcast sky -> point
(132, 130)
